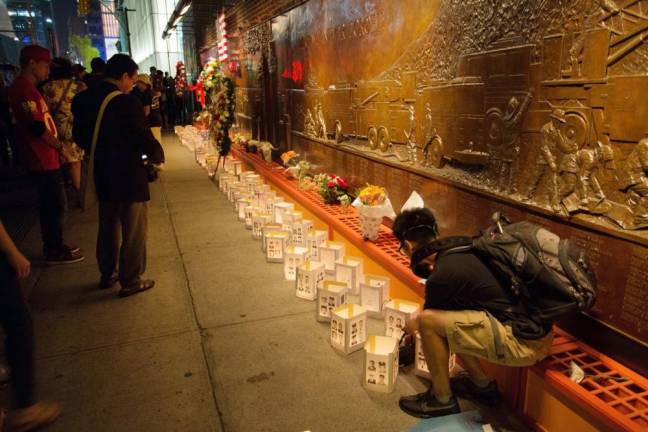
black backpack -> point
(551, 276)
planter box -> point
(294, 257)
(374, 293)
(397, 312)
(310, 278)
(349, 270)
(381, 364)
(348, 328)
(329, 253)
(332, 295)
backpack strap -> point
(445, 245)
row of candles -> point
(323, 273)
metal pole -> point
(128, 35)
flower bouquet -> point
(331, 187)
(373, 205)
(290, 158)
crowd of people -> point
(102, 131)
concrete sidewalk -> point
(220, 344)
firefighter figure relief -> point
(320, 123)
(309, 123)
(411, 137)
(633, 180)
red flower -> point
(330, 185)
(343, 184)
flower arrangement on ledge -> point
(290, 158)
(373, 205)
(331, 187)
(223, 115)
(211, 75)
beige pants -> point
(157, 133)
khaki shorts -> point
(473, 333)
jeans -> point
(122, 238)
(19, 330)
(53, 203)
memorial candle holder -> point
(310, 277)
(268, 228)
(381, 364)
(249, 212)
(420, 364)
(374, 293)
(280, 208)
(289, 218)
(259, 192)
(294, 257)
(300, 231)
(276, 243)
(348, 328)
(329, 253)
(237, 167)
(270, 206)
(240, 206)
(223, 178)
(259, 220)
(332, 295)
(314, 239)
(397, 312)
(264, 197)
(252, 182)
(349, 270)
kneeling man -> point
(467, 311)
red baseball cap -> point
(36, 53)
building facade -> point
(33, 22)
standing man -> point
(97, 75)
(120, 176)
(552, 141)
(40, 152)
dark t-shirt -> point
(461, 281)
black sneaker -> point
(425, 405)
(63, 256)
(464, 387)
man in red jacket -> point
(40, 151)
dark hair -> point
(98, 65)
(416, 225)
(61, 68)
(119, 64)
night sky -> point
(63, 9)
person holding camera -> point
(110, 124)
(469, 311)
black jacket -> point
(124, 137)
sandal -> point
(136, 287)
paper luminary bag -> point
(332, 295)
(294, 257)
(276, 243)
(240, 206)
(349, 271)
(420, 365)
(397, 312)
(310, 278)
(329, 253)
(252, 182)
(314, 240)
(268, 228)
(300, 230)
(270, 205)
(264, 197)
(236, 167)
(348, 328)
(249, 213)
(280, 208)
(260, 192)
(259, 220)
(374, 293)
(381, 363)
(289, 218)
(223, 178)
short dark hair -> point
(61, 68)
(98, 65)
(416, 225)
(120, 64)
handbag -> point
(88, 191)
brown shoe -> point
(32, 418)
(109, 282)
(137, 287)
(63, 256)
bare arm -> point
(17, 260)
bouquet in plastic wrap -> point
(373, 205)
(331, 187)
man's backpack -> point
(551, 276)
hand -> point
(411, 326)
(20, 264)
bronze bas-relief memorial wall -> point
(535, 109)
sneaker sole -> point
(439, 413)
(62, 262)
